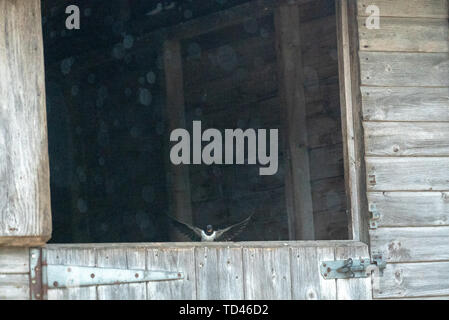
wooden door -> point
(266, 271)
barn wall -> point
(14, 274)
(405, 96)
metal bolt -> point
(329, 269)
(136, 275)
(92, 275)
(179, 275)
(55, 284)
(324, 265)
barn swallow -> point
(210, 235)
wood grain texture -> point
(413, 280)
(407, 174)
(351, 104)
(14, 287)
(399, 34)
(293, 120)
(25, 214)
(353, 289)
(219, 273)
(307, 282)
(14, 260)
(406, 8)
(411, 209)
(405, 104)
(411, 244)
(404, 69)
(406, 138)
(126, 258)
(172, 258)
(267, 273)
(61, 255)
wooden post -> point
(293, 108)
(350, 99)
(25, 213)
(179, 180)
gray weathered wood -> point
(219, 273)
(267, 273)
(413, 280)
(353, 289)
(411, 209)
(405, 104)
(297, 178)
(172, 258)
(407, 138)
(25, 214)
(407, 174)
(350, 100)
(14, 260)
(61, 255)
(406, 8)
(399, 34)
(14, 287)
(126, 258)
(404, 69)
(411, 244)
(179, 182)
(307, 282)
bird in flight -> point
(210, 235)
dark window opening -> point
(109, 124)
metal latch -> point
(352, 268)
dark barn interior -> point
(108, 131)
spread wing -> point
(231, 232)
(192, 232)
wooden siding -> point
(405, 97)
(14, 274)
(250, 270)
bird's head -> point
(209, 229)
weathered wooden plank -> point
(350, 101)
(405, 104)
(307, 282)
(172, 258)
(14, 287)
(25, 214)
(407, 174)
(411, 244)
(404, 69)
(406, 138)
(353, 289)
(399, 34)
(219, 273)
(406, 8)
(126, 258)
(413, 280)
(411, 209)
(80, 256)
(14, 260)
(267, 273)
(293, 108)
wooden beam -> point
(350, 99)
(25, 213)
(179, 180)
(293, 108)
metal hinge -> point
(352, 268)
(66, 276)
(375, 216)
